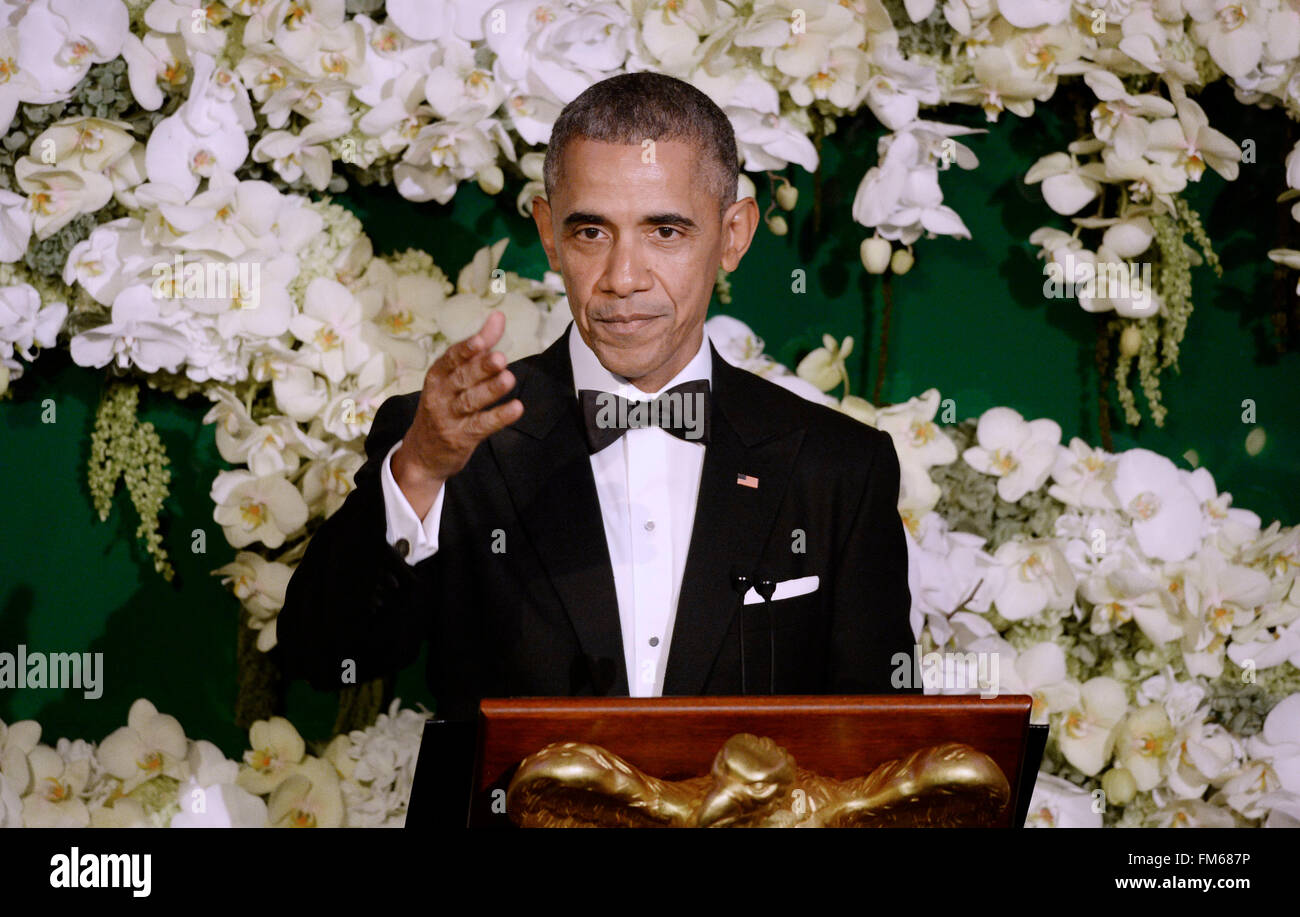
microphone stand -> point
(766, 587)
(740, 585)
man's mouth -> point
(627, 324)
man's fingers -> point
(485, 423)
(493, 327)
(479, 396)
(473, 371)
(477, 343)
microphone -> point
(765, 587)
(740, 585)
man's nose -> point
(626, 271)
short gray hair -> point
(629, 107)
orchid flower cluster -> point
(1155, 626)
(148, 774)
(425, 95)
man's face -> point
(639, 244)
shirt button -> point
(650, 526)
(654, 641)
(403, 546)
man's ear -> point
(739, 223)
(542, 217)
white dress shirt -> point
(647, 483)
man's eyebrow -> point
(582, 217)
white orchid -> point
(1120, 118)
(1236, 527)
(206, 135)
(25, 322)
(1082, 476)
(138, 335)
(1030, 577)
(198, 23)
(57, 196)
(308, 797)
(1142, 744)
(329, 327)
(328, 480)
(1219, 597)
(1040, 672)
(1234, 31)
(458, 88)
(251, 508)
(1002, 83)
(919, 442)
(1272, 777)
(445, 153)
(1121, 592)
(299, 392)
(54, 800)
(1020, 454)
(149, 745)
(58, 41)
(944, 570)
(824, 366)
(1058, 803)
(901, 197)
(259, 584)
(766, 137)
(277, 749)
(1067, 186)
(1188, 142)
(1165, 513)
(210, 798)
(1087, 734)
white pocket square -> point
(786, 589)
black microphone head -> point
(765, 587)
(740, 580)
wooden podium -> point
(463, 765)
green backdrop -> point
(969, 320)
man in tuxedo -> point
(625, 513)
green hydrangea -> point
(341, 228)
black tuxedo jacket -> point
(519, 599)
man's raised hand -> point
(453, 415)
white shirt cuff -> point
(402, 524)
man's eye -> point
(587, 229)
(669, 228)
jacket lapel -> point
(543, 459)
(733, 522)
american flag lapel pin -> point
(747, 480)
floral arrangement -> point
(148, 774)
(164, 212)
(1156, 627)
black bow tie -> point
(682, 410)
